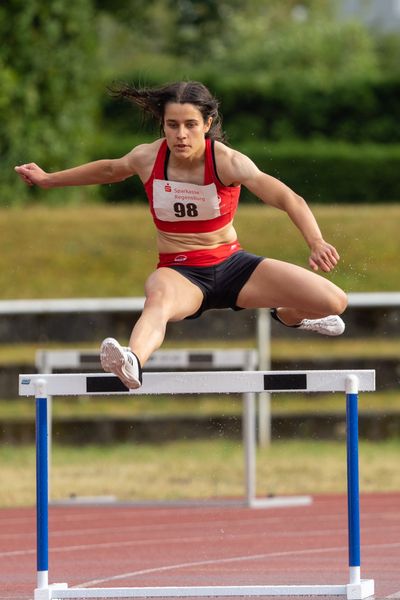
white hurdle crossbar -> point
(350, 382)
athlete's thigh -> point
(176, 294)
(277, 283)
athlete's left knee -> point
(339, 302)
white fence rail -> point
(135, 304)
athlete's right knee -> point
(158, 297)
(157, 286)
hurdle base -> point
(353, 591)
(50, 592)
(359, 591)
(269, 502)
(279, 501)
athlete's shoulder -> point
(222, 151)
(233, 165)
(142, 157)
(144, 152)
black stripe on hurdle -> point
(293, 381)
(104, 384)
(195, 358)
(89, 358)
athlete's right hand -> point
(32, 174)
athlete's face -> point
(185, 129)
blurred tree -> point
(282, 69)
(388, 51)
(134, 35)
(196, 23)
(258, 38)
(270, 40)
(48, 94)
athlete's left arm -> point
(275, 193)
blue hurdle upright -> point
(350, 382)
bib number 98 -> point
(185, 210)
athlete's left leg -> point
(297, 293)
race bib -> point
(175, 201)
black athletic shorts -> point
(221, 283)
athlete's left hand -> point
(323, 256)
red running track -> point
(122, 545)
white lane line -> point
(217, 561)
(218, 536)
(179, 540)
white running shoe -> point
(332, 325)
(122, 362)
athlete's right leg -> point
(169, 297)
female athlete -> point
(192, 180)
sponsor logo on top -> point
(180, 258)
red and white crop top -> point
(188, 208)
(185, 207)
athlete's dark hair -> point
(152, 101)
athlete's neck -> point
(189, 168)
(190, 161)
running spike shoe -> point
(122, 362)
(332, 325)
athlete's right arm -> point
(96, 172)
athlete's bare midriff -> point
(184, 242)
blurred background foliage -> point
(312, 98)
(48, 89)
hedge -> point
(355, 111)
(333, 172)
(352, 111)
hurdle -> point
(50, 361)
(350, 382)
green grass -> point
(100, 251)
(195, 469)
